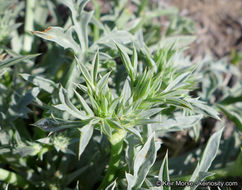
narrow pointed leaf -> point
(103, 81)
(179, 80)
(52, 125)
(85, 136)
(144, 160)
(85, 74)
(126, 61)
(95, 65)
(164, 172)
(69, 107)
(208, 156)
(13, 61)
(84, 104)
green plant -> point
(221, 87)
(99, 107)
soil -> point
(218, 25)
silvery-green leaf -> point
(81, 28)
(123, 18)
(144, 159)
(95, 66)
(84, 104)
(60, 36)
(18, 105)
(103, 81)
(80, 18)
(177, 41)
(31, 149)
(205, 108)
(131, 180)
(71, 78)
(85, 136)
(113, 105)
(82, 87)
(126, 61)
(164, 172)
(126, 92)
(119, 36)
(69, 107)
(134, 59)
(2, 72)
(178, 102)
(85, 74)
(232, 114)
(69, 4)
(106, 128)
(149, 113)
(177, 82)
(44, 84)
(12, 61)
(207, 158)
(53, 125)
(177, 123)
(135, 132)
(114, 124)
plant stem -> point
(29, 25)
(142, 7)
(116, 150)
(97, 16)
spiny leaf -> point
(85, 74)
(95, 65)
(84, 104)
(126, 61)
(103, 81)
(177, 82)
(52, 125)
(68, 106)
(134, 59)
(205, 108)
(126, 92)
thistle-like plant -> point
(149, 90)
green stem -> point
(14, 179)
(142, 7)
(97, 16)
(29, 25)
(116, 150)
